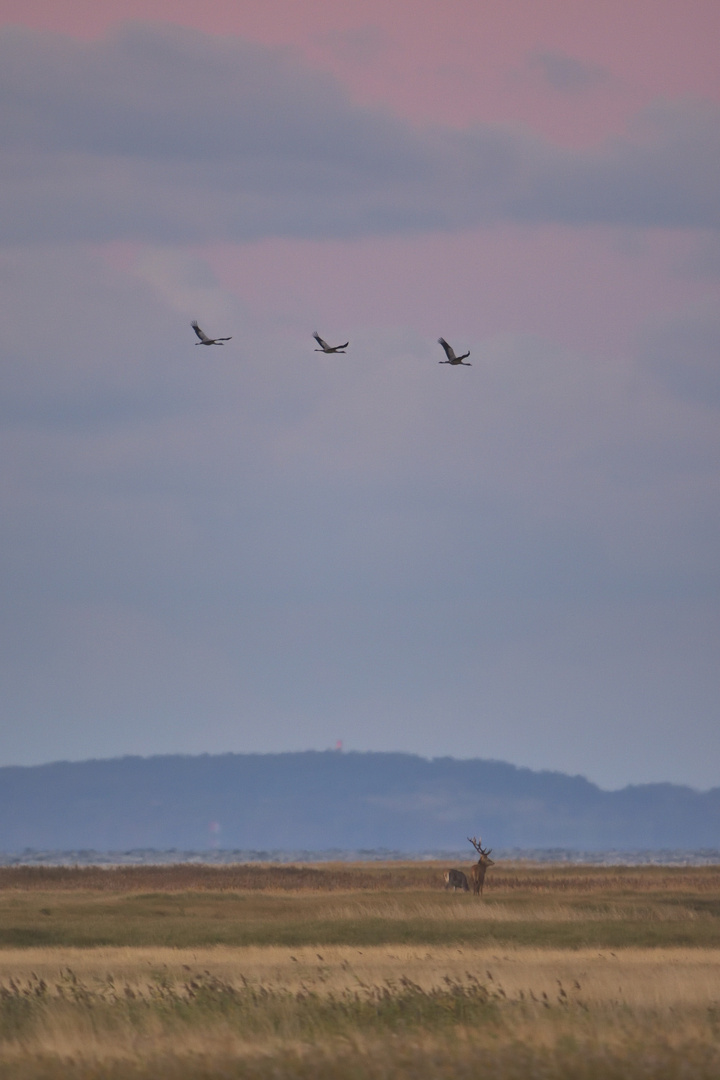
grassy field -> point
(359, 971)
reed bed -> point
(667, 978)
(273, 1013)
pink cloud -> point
(460, 63)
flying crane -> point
(450, 353)
(324, 347)
(205, 340)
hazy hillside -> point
(326, 800)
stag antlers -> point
(477, 844)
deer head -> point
(484, 853)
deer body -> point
(455, 879)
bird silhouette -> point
(205, 340)
(324, 347)
(450, 353)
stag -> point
(455, 879)
(478, 870)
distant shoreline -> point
(223, 857)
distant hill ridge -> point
(320, 800)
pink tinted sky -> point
(461, 61)
(602, 291)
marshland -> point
(361, 970)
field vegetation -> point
(359, 971)
(358, 904)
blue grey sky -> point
(261, 548)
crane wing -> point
(449, 351)
(323, 344)
(200, 333)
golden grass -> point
(281, 1013)
(646, 978)
(264, 973)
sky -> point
(260, 548)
